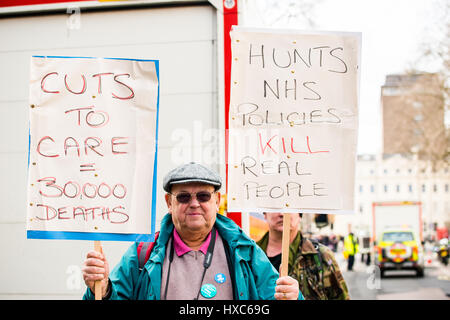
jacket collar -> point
(159, 251)
(307, 247)
(228, 230)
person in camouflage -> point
(312, 264)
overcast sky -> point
(392, 34)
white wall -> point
(184, 39)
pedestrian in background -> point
(312, 264)
(351, 248)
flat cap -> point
(191, 172)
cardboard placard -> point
(93, 148)
(293, 121)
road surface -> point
(364, 282)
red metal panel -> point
(230, 18)
(14, 3)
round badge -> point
(220, 278)
(208, 291)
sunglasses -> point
(186, 197)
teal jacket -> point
(253, 275)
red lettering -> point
(131, 96)
(43, 83)
(116, 215)
(79, 113)
(104, 195)
(124, 191)
(47, 209)
(99, 75)
(267, 144)
(67, 145)
(75, 185)
(292, 147)
(38, 148)
(80, 212)
(92, 147)
(106, 212)
(92, 211)
(309, 147)
(104, 119)
(116, 210)
(93, 186)
(114, 143)
(284, 146)
(82, 90)
(62, 211)
(73, 190)
(51, 184)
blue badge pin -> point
(208, 291)
(220, 278)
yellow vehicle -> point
(398, 236)
(399, 250)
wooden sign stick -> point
(285, 242)
(98, 284)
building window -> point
(423, 188)
(372, 188)
(385, 188)
(446, 188)
(435, 188)
(410, 188)
(385, 171)
(360, 188)
(398, 188)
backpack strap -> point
(143, 251)
(318, 258)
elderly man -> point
(198, 254)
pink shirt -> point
(181, 248)
(187, 269)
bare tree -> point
(422, 105)
(427, 94)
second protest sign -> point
(293, 121)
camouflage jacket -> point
(314, 267)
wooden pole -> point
(98, 284)
(285, 242)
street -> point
(364, 282)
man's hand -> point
(286, 289)
(95, 268)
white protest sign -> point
(293, 121)
(92, 153)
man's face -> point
(194, 216)
(275, 221)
